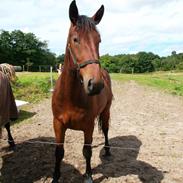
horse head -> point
(83, 46)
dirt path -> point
(146, 124)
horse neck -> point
(68, 72)
(69, 81)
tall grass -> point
(33, 87)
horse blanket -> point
(8, 108)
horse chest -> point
(76, 118)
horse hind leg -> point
(104, 125)
(59, 150)
(10, 138)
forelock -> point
(85, 24)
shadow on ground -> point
(34, 163)
(23, 115)
(124, 162)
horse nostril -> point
(94, 88)
(90, 84)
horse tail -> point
(104, 119)
(99, 124)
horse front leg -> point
(10, 138)
(59, 151)
(87, 153)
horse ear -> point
(73, 12)
(98, 15)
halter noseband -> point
(83, 64)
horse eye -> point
(76, 40)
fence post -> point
(51, 78)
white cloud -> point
(144, 28)
(127, 26)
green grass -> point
(166, 81)
(33, 87)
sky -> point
(128, 26)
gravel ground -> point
(145, 133)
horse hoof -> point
(11, 143)
(107, 154)
(88, 178)
(12, 147)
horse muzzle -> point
(93, 87)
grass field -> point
(33, 87)
(166, 81)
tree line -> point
(25, 49)
(142, 62)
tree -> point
(25, 49)
(157, 64)
(174, 53)
(128, 64)
(60, 59)
(20, 48)
(180, 66)
(106, 61)
(145, 62)
(5, 47)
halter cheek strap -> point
(83, 64)
(72, 55)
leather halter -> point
(83, 64)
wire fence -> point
(54, 143)
(170, 153)
(36, 68)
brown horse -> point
(83, 91)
